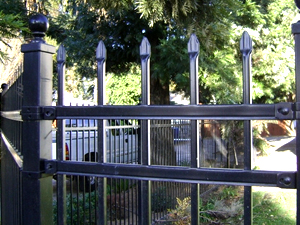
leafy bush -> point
(79, 208)
(222, 207)
(182, 213)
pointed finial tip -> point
(61, 54)
(145, 47)
(193, 44)
(101, 51)
(246, 43)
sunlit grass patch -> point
(274, 206)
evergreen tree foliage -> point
(273, 57)
(12, 24)
(121, 24)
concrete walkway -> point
(281, 156)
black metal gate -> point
(92, 188)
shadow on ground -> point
(290, 146)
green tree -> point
(124, 89)
(121, 27)
(273, 58)
(14, 15)
(167, 25)
(12, 25)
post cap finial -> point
(38, 24)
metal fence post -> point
(246, 49)
(296, 33)
(60, 137)
(144, 157)
(193, 50)
(36, 141)
(101, 58)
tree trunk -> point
(159, 93)
(161, 133)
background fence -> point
(122, 147)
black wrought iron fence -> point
(11, 149)
(139, 163)
(11, 183)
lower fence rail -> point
(283, 179)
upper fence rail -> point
(279, 111)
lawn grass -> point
(274, 206)
(271, 206)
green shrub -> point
(79, 208)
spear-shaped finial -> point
(246, 43)
(61, 54)
(145, 48)
(101, 51)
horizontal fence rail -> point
(280, 111)
(281, 179)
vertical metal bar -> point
(102, 203)
(2, 164)
(296, 32)
(246, 49)
(60, 138)
(61, 60)
(193, 50)
(36, 141)
(144, 197)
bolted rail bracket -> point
(38, 113)
(31, 113)
(286, 180)
(49, 113)
(297, 110)
(49, 166)
(283, 111)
